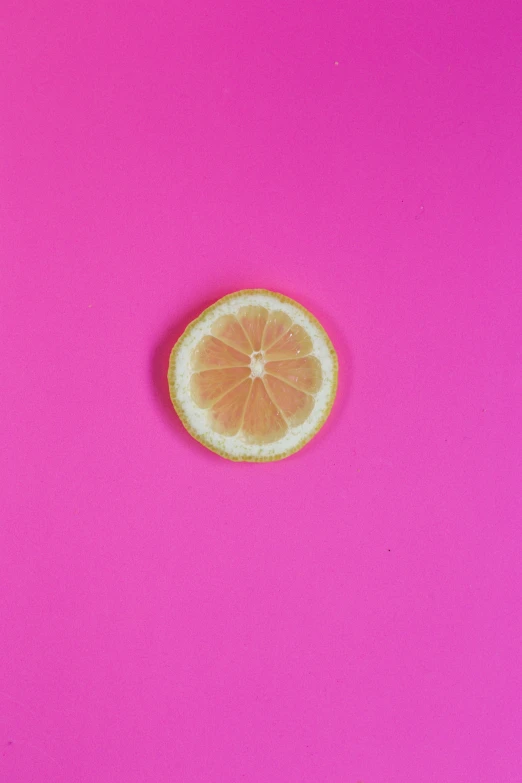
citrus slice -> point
(254, 377)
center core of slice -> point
(257, 365)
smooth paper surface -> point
(351, 614)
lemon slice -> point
(254, 377)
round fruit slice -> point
(254, 377)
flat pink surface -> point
(352, 613)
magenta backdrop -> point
(352, 613)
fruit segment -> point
(305, 373)
(211, 353)
(277, 325)
(229, 330)
(207, 386)
(226, 415)
(253, 320)
(295, 405)
(292, 345)
(263, 422)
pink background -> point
(350, 614)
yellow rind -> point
(200, 438)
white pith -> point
(257, 364)
(236, 447)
